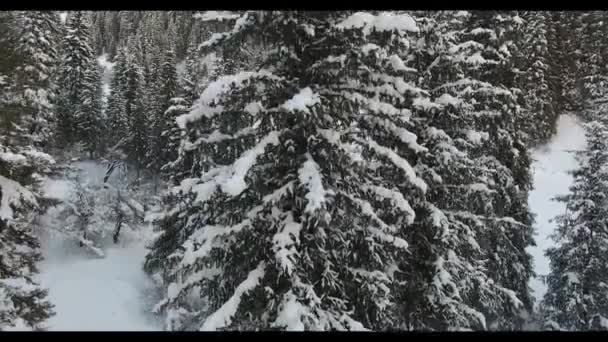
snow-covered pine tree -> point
(451, 285)
(116, 118)
(166, 89)
(303, 183)
(592, 31)
(9, 60)
(76, 69)
(504, 159)
(538, 115)
(179, 160)
(33, 76)
(562, 59)
(98, 33)
(89, 119)
(577, 296)
(191, 77)
(23, 303)
(135, 113)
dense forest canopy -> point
(322, 170)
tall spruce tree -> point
(116, 117)
(135, 113)
(452, 279)
(24, 303)
(577, 297)
(79, 99)
(34, 82)
(294, 217)
(89, 119)
(166, 89)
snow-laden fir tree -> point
(452, 284)
(78, 101)
(562, 59)
(487, 89)
(592, 32)
(191, 77)
(577, 294)
(159, 152)
(116, 118)
(178, 160)
(135, 113)
(33, 77)
(537, 117)
(303, 184)
(23, 303)
(89, 119)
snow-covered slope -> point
(97, 294)
(110, 293)
(551, 178)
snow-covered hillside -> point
(110, 293)
(551, 178)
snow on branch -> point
(397, 161)
(396, 198)
(230, 178)
(13, 158)
(382, 22)
(290, 313)
(12, 195)
(403, 134)
(216, 15)
(235, 183)
(206, 105)
(284, 243)
(367, 210)
(302, 100)
(223, 316)
(207, 236)
(310, 177)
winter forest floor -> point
(90, 293)
(551, 178)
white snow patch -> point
(425, 103)
(57, 188)
(301, 101)
(289, 317)
(216, 15)
(551, 165)
(398, 64)
(382, 22)
(477, 137)
(310, 176)
(13, 158)
(104, 62)
(96, 294)
(447, 99)
(254, 108)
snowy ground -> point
(111, 293)
(551, 178)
